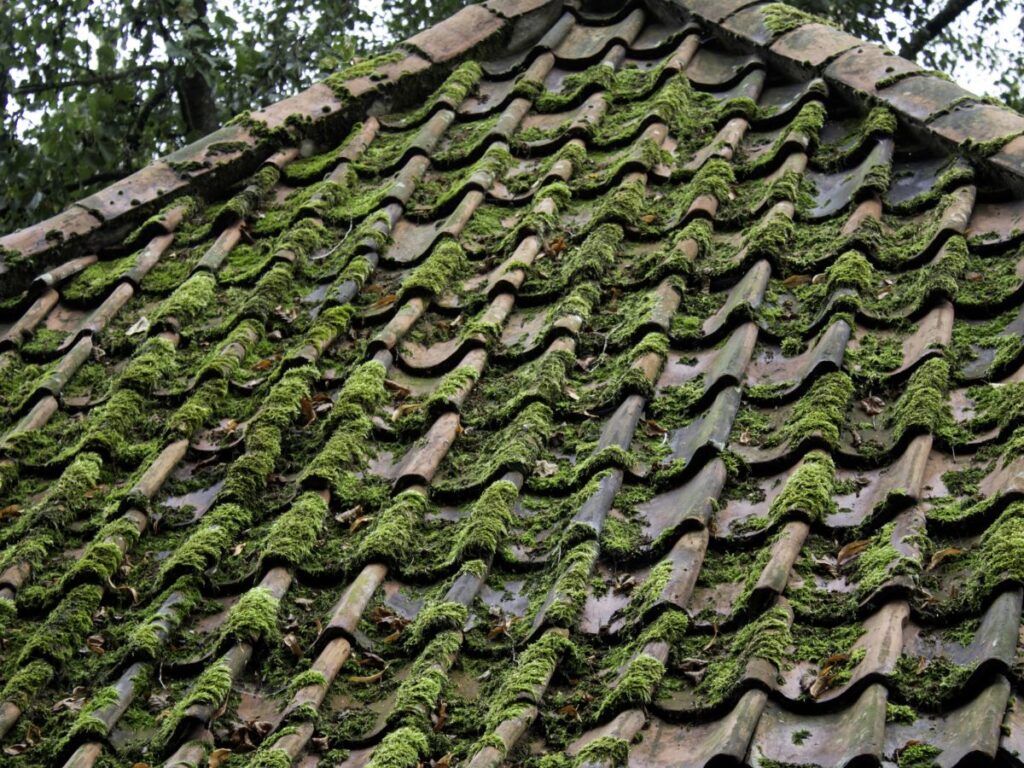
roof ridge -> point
(932, 106)
(326, 111)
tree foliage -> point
(94, 89)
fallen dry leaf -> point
(218, 757)
(291, 642)
(367, 679)
(851, 550)
(872, 405)
(943, 554)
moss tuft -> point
(253, 619)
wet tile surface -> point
(612, 408)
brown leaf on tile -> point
(11, 510)
(849, 551)
(872, 405)
(367, 679)
(439, 718)
(654, 428)
(384, 301)
(396, 388)
(349, 514)
(218, 757)
(307, 411)
(291, 642)
(794, 280)
(943, 554)
(95, 644)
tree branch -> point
(95, 79)
(934, 27)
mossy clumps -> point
(189, 300)
(437, 616)
(210, 689)
(153, 365)
(218, 529)
(536, 664)
(103, 556)
(570, 589)
(65, 628)
(393, 536)
(146, 640)
(917, 755)
(253, 619)
(850, 270)
(26, 682)
(347, 448)
(420, 691)
(879, 122)
(635, 687)
(460, 83)
(604, 750)
(247, 476)
(808, 491)
(488, 523)
(293, 536)
(404, 747)
(442, 269)
(766, 637)
(820, 412)
(924, 405)
(880, 562)
(780, 18)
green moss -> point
(808, 490)
(880, 562)
(570, 590)
(850, 270)
(646, 595)
(536, 664)
(900, 713)
(821, 411)
(766, 637)
(392, 537)
(402, 748)
(293, 535)
(153, 365)
(197, 411)
(880, 121)
(217, 531)
(420, 692)
(442, 269)
(441, 399)
(189, 300)
(923, 405)
(436, 616)
(211, 688)
(102, 557)
(604, 750)
(780, 18)
(636, 686)
(917, 755)
(93, 281)
(488, 523)
(305, 679)
(65, 628)
(253, 619)
(26, 682)
(146, 640)
(933, 684)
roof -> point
(569, 386)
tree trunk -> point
(195, 95)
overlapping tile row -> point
(623, 404)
